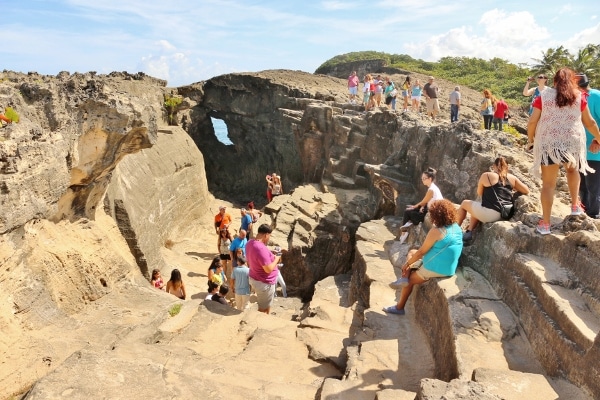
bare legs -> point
(465, 207)
(413, 279)
(549, 178)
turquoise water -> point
(221, 131)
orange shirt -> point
(224, 220)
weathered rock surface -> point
(74, 293)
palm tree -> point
(552, 60)
(587, 61)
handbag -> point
(506, 209)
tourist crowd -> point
(562, 131)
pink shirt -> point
(258, 255)
(352, 81)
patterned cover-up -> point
(559, 135)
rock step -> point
(552, 286)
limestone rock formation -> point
(128, 194)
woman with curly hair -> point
(437, 256)
(556, 132)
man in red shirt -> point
(499, 110)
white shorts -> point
(417, 98)
(484, 214)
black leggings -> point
(487, 122)
(415, 216)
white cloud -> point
(583, 38)
(514, 36)
(337, 5)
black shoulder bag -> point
(506, 209)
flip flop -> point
(393, 310)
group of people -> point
(562, 130)
(438, 255)
(494, 111)
(378, 90)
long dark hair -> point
(431, 173)
(501, 168)
(176, 278)
(215, 263)
(565, 83)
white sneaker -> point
(403, 237)
(406, 225)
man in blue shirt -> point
(246, 222)
(589, 188)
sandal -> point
(393, 310)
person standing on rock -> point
(367, 92)
(430, 90)
(487, 109)
(240, 284)
(535, 92)
(415, 96)
(500, 110)
(454, 104)
(246, 223)
(437, 257)
(223, 245)
(263, 268)
(222, 219)
(556, 132)
(353, 87)
(589, 189)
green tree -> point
(552, 60)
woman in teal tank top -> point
(439, 253)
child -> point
(213, 289)
(241, 284)
(220, 297)
(157, 280)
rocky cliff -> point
(99, 191)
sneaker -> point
(399, 283)
(406, 225)
(403, 237)
(467, 236)
(576, 210)
(543, 228)
(393, 310)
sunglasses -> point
(542, 77)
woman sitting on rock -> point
(216, 268)
(175, 285)
(415, 214)
(439, 253)
(494, 187)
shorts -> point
(353, 90)
(484, 214)
(388, 100)
(405, 93)
(426, 274)
(366, 97)
(417, 98)
(433, 105)
(225, 256)
(264, 294)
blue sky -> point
(193, 40)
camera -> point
(529, 79)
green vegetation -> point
(171, 103)
(175, 309)
(11, 114)
(504, 79)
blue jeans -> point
(487, 122)
(589, 190)
(453, 112)
(496, 122)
